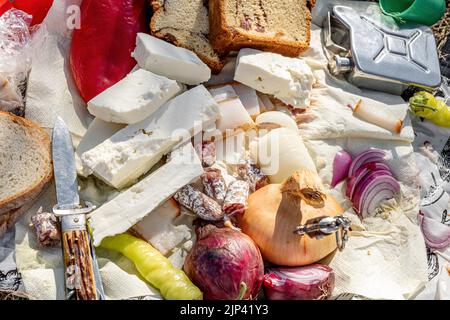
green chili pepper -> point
(425, 105)
(173, 283)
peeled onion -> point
(280, 153)
(370, 155)
(313, 282)
(362, 172)
(277, 117)
(435, 233)
(376, 187)
(341, 165)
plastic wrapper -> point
(15, 62)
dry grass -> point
(7, 295)
(442, 31)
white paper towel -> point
(51, 91)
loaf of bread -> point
(280, 26)
(185, 23)
(25, 165)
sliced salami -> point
(207, 153)
(236, 198)
(250, 172)
(214, 184)
(47, 228)
(199, 203)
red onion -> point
(225, 264)
(341, 164)
(361, 173)
(313, 282)
(371, 155)
(367, 191)
(435, 233)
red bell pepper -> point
(37, 8)
(101, 49)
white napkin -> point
(51, 91)
(384, 259)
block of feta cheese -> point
(158, 228)
(248, 98)
(288, 79)
(97, 132)
(134, 98)
(121, 159)
(132, 205)
(173, 62)
(232, 111)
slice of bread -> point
(185, 24)
(25, 164)
(280, 26)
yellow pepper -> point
(425, 105)
(173, 283)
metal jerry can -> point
(376, 52)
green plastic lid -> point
(426, 12)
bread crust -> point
(28, 195)
(225, 38)
(215, 66)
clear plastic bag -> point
(15, 62)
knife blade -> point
(82, 280)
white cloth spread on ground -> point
(385, 258)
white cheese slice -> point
(165, 59)
(133, 98)
(248, 98)
(97, 132)
(288, 79)
(232, 111)
(133, 204)
(158, 228)
(132, 151)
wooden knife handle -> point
(79, 272)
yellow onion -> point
(274, 212)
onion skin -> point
(221, 260)
(313, 282)
(341, 165)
